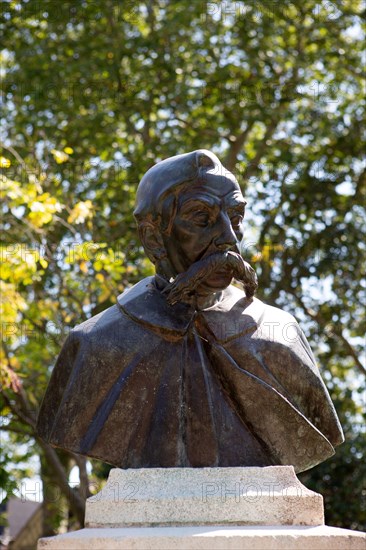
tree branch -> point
(351, 351)
(236, 146)
(317, 317)
(10, 428)
(83, 474)
(77, 503)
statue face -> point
(208, 220)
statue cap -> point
(173, 171)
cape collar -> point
(228, 318)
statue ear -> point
(203, 160)
(152, 241)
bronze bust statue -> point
(187, 370)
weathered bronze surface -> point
(187, 369)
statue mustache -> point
(186, 283)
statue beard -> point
(185, 284)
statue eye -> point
(200, 217)
(236, 220)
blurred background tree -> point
(94, 93)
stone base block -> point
(204, 496)
(205, 509)
(208, 538)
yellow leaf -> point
(83, 267)
(104, 295)
(59, 156)
(4, 162)
(11, 304)
(43, 263)
(81, 211)
(43, 208)
(39, 219)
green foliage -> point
(95, 92)
(341, 479)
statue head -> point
(188, 208)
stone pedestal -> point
(205, 508)
(204, 496)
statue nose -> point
(226, 238)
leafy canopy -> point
(95, 92)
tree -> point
(94, 93)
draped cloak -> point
(146, 384)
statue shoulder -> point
(252, 316)
(107, 322)
(138, 292)
(235, 301)
(275, 313)
(102, 322)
